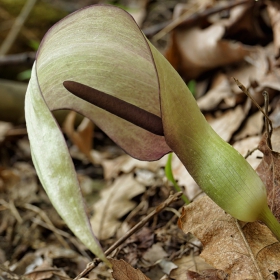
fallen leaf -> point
(188, 263)
(253, 126)
(275, 115)
(247, 145)
(114, 203)
(209, 274)
(268, 171)
(167, 266)
(124, 271)
(220, 89)
(274, 15)
(137, 9)
(260, 72)
(242, 250)
(4, 128)
(83, 136)
(127, 164)
(154, 254)
(184, 179)
(41, 274)
(228, 122)
(196, 57)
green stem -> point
(271, 222)
(170, 177)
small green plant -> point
(170, 177)
(97, 62)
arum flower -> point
(97, 62)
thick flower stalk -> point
(97, 62)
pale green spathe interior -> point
(54, 166)
(102, 47)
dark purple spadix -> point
(116, 106)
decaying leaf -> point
(188, 263)
(273, 12)
(126, 164)
(242, 250)
(115, 202)
(275, 115)
(209, 274)
(124, 271)
(246, 146)
(229, 122)
(220, 89)
(197, 57)
(155, 253)
(83, 136)
(268, 171)
(252, 127)
(4, 128)
(184, 179)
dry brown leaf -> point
(268, 171)
(254, 69)
(40, 274)
(188, 263)
(197, 50)
(274, 14)
(260, 72)
(137, 8)
(83, 136)
(114, 203)
(208, 274)
(242, 250)
(127, 164)
(246, 145)
(184, 179)
(100, 272)
(124, 271)
(228, 122)
(154, 254)
(4, 128)
(220, 89)
(275, 115)
(253, 126)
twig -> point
(191, 20)
(169, 200)
(245, 90)
(20, 58)
(11, 206)
(250, 152)
(43, 215)
(95, 262)
(268, 131)
(9, 40)
(72, 239)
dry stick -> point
(269, 132)
(8, 42)
(11, 206)
(245, 90)
(250, 152)
(44, 216)
(192, 19)
(164, 204)
(19, 58)
(67, 235)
